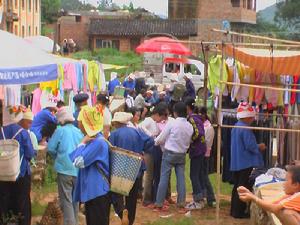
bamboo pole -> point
(257, 37)
(260, 86)
(265, 114)
(261, 128)
(205, 55)
(231, 43)
(220, 98)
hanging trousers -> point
(239, 208)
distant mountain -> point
(268, 14)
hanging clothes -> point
(271, 95)
(36, 101)
(259, 92)
(214, 66)
(12, 95)
(70, 78)
(79, 75)
(93, 75)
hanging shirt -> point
(40, 120)
(214, 66)
(112, 85)
(244, 149)
(12, 95)
(52, 85)
(62, 143)
(88, 158)
(26, 148)
(70, 78)
(93, 76)
(133, 140)
(79, 75)
(36, 101)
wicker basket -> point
(125, 166)
(9, 160)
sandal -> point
(161, 209)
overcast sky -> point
(161, 6)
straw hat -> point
(122, 117)
(245, 110)
(28, 115)
(64, 115)
(92, 120)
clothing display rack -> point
(206, 47)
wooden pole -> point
(229, 111)
(205, 92)
(261, 128)
(260, 86)
(220, 98)
(257, 37)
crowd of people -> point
(163, 126)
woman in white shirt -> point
(150, 127)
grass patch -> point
(225, 187)
(133, 61)
(37, 208)
(184, 221)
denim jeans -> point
(170, 160)
(197, 174)
(210, 195)
(65, 189)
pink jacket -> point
(70, 79)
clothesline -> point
(263, 114)
(259, 86)
(258, 128)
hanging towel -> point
(214, 74)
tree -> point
(131, 7)
(76, 5)
(288, 17)
(104, 4)
(50, 10)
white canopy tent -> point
(20, 63)
(42, 42)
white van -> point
(182, 66)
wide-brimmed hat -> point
(122, 117)
(91, 119)
(64, 115)
(12, 114)
(245, 110)
(28, 115)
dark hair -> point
(295, 172)
(151, 74)
(143, 91)
(133, 110)
(180, 109)
(203, 112)
(60, 104)
(161, 109)
(103, 98)
(191, 103)
(48, 129)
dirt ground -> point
(144, 215)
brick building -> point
(21, 17)
(127, 34)
(210, 14)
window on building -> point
(78, 19)
(23, 4)
(16, 30)
(29, 5)
(29, 31)
(235, 3)
(36, 5)
(100, 43)
(16, 4)
(23, 31)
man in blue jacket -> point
(245, 155)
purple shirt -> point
(198, 145)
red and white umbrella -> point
(163, 45)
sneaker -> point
(195, 205)
(212, 204)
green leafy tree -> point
(50, 10)
(69, 5)
(288, 16)
(131, 7)
(104, 4)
